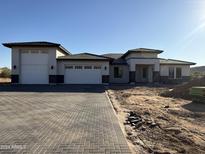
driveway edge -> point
(120, 124)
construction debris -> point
(160, 125)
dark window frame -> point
(118, 72)
(178, 72)
(171, 72)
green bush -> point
(5, 72)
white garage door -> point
(34, 67)
(83, 74)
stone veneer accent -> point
(60, 78)
(52, 78)
(167, 80)
(56, 78)
(132, 76)
(156, 76)
(14, 78)
(105, 78)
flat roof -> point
(37, 44)
(142, 50)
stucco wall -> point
(59, 53)
(16, 58)
(125, 75)
(61, 65)
(134, 61)
(15, 61)
(164, 70)
(142, 55)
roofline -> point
(97, 55)
(65, 50)
(20, 44)
(177, 64)
(88, 59)
(185, 62)
(151, 50)
(78, 59)
(134, 51)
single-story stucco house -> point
(49, 63)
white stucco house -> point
(51, 63)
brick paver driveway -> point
(58, 119)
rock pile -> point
(138, 122)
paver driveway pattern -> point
(78, 121)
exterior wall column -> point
(15, 65)
(52, 66)
(156, 73)
(132, 73)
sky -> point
(107, 26)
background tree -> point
(5, 72)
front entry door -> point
(142, 73)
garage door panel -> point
(83, 76)
(34, 74)
(34, 58)
(34, 68)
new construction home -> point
(50, 63)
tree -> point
(5, 72)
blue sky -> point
(177, 27)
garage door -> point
(83, 74)
(34, 67)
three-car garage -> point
(51, 63)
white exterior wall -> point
(63, 63)
(16, 58)
(133, 62)
(164, 70)
(142, 55)
(59, 53)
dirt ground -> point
(5, 80)
(161, 125)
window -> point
(78, 67)
(34, 51)
(178, 73)
(171, 72)
(118, 72)
(44, 52)
(69, 67)
(87, 67)
(97, 67)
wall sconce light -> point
(105, 68)
(52, 67)
(14, 67)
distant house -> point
(46, 63)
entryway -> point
(144, 73)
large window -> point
(178, 73)
(171, 72)
(118, 72)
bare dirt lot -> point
(5, 80)
(156, 124)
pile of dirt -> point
(182, 91)
(160, 125)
